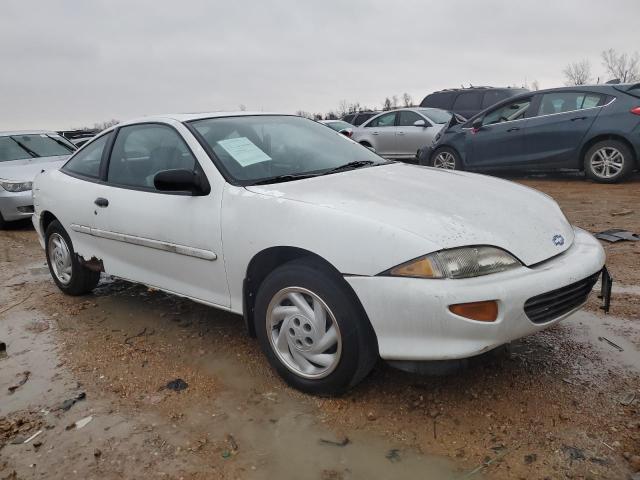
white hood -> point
(449, 209)
(26, 170)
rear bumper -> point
(15, 206)
(412, 320)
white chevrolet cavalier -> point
(334, 256)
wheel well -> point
(264, 262)
(600, 138)
(45, 220)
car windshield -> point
(20, 147)
(338, 126)
(436, 115)
(254, 149)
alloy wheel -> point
(60, 258)
(445, 160)
(606, 162)
(303, 332)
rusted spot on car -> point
(94, 264)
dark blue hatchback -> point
(591, 128)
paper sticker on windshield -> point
(244, 151)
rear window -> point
(349, 118)
(468, 101)
(441, 100)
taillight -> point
(635, 110)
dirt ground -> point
(564, 403)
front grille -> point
(550, 305)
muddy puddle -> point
(231, 419)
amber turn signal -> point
(481, 311)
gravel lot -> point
(564, 403)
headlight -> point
(15, 186)
(464, 262)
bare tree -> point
(621, 66)
(535, 85)
(387, 104)
(106, 124)
(407, 100)
(331, 116)
(343, 108)
(577, 73)
(242, 107)
(394, 101)
(304, 114)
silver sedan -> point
(401, 133)
(22, 156)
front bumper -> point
(15, 206)
(412, 320)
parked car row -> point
(590, 128)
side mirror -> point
(477, 124)
(347, 132)
(420, 123)
(181, 180)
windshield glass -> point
(10, 150)
(255, 148)
(34, 145)
(436, 115)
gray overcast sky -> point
(71, 63)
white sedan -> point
(334, 256)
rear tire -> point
(446, 158)
(608, 161)
(312, 330)
(67, 272)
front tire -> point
(608, 161)
(446, 158)
(312, 329)
(67, 272)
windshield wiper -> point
(25, 148)
(350, 166)
(284, 178)
(61, 143)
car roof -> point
(478, 88)
(27, 132)
(187, 117)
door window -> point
(561, 102)
(511, 111)
(141, 151)
(386, 120)
(408, 118)
(87, 161)
(468, 101)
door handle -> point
(375, 133)
(578, 118)
(101, 202)
(400, 133)
(513, 129)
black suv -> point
(469, 101)
(358, 118)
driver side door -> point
(499, 142)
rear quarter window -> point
(443, 100)
(468, 101)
